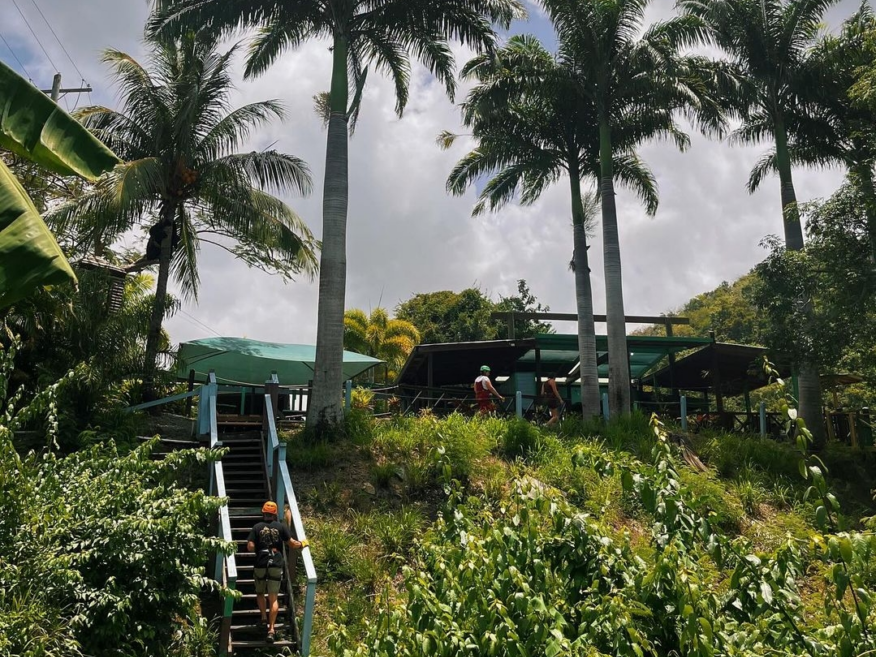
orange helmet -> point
(270, 507)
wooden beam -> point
(600, 319)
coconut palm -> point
(531, 128)
(384, 34)
(637, 84)
(184, 177)
(379, 336)
(769, 44)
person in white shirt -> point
(483, 388)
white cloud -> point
(406, 235)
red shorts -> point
(486, 405)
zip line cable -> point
(45, 52)
(54, 34)
(16, 57)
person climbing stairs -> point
(247, 486)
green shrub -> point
(382, 474)
(710, 498)
(332, 547)
(94, 530)
(395, 531)
(520, 439)
(311, 457)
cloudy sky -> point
(406, 235)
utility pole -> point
(55, 92)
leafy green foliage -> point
(85, 543)
(465, 316)
(536, 572)
(377, 335)
(63, 329)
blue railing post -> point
(278, 480)
(762, 413)
(348, 396)
(518, 403)
(684, 412)
(605, 406)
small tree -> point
(379, 336)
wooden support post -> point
(676, 394)
(518, 404)
(683, 403)
(511, 331)
(716, 377)
(853, 429)
(537, 371)
(190, 400)
(430, 371)
(763, 424)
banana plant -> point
(34, 127)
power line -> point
(200, 322)
(54, 34)
(16, 58)
(45, 52)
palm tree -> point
(390, 340)
(384, 34)
(828, 125)
(531, 129)
(769, 44)
(184, 176)
(637, 84)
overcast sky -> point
(405, 234)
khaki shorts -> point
(268, 578)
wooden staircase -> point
(248, 487)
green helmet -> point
(485, 368)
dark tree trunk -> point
(153, 337)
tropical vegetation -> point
(36, 129)
(184, 179)
(441, 535)
(380, 34)
(467, 316)
(637, 81)
(388, 339)
(531, 126)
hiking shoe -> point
(270, 638)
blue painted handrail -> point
(226, 568)
(166, 400)
(285, 493)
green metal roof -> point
(244, 361)
(645, 351)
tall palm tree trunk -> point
(618, 355)
(584, 303)
(863, 175)
(325, 404)
(153, 337)
(809, 383)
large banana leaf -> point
(32, 126)
(29, 255)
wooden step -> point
(254, 614)
(253, 645)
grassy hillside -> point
(475, 536)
